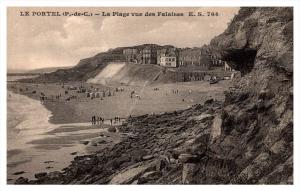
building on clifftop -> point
(131, 55)
(167, 57)
(194, 58)
(149, 55)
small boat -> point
(213, 81)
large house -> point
(194, 58)
(149, 55)
(167, 57)
(131, 55)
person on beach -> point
(94, 120)
(111, 122)
(98, 120)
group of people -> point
(175, 91)
(71, 97)
(58, 96)
(117, 119)
(97, 120)
(119, 89)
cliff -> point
(257, 118)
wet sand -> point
(44, 147)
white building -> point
(168, 61)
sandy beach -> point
(120, 104)
(46, 135)
(35, 145)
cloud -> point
(59, 41)
(78, 38)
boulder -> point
(84, 142)
(40, 175)
(160, 164)
(22, 180)
(198, 149)
(149, 176)
(85, 164)
(55, 175)
(112, 129)
(216, 128)
(129, 175)
(278, 147)
(186, 158)
(19, 172)
(202, 117)
(209, 101)
(147, 157)
(188, 172)
(97, 141)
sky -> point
(41, 41)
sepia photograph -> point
(150, 95)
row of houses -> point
(192, 58)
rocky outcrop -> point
(257, 127)
(252, 142)
(258, 37)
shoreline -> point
(65, 140)
(146, 147)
